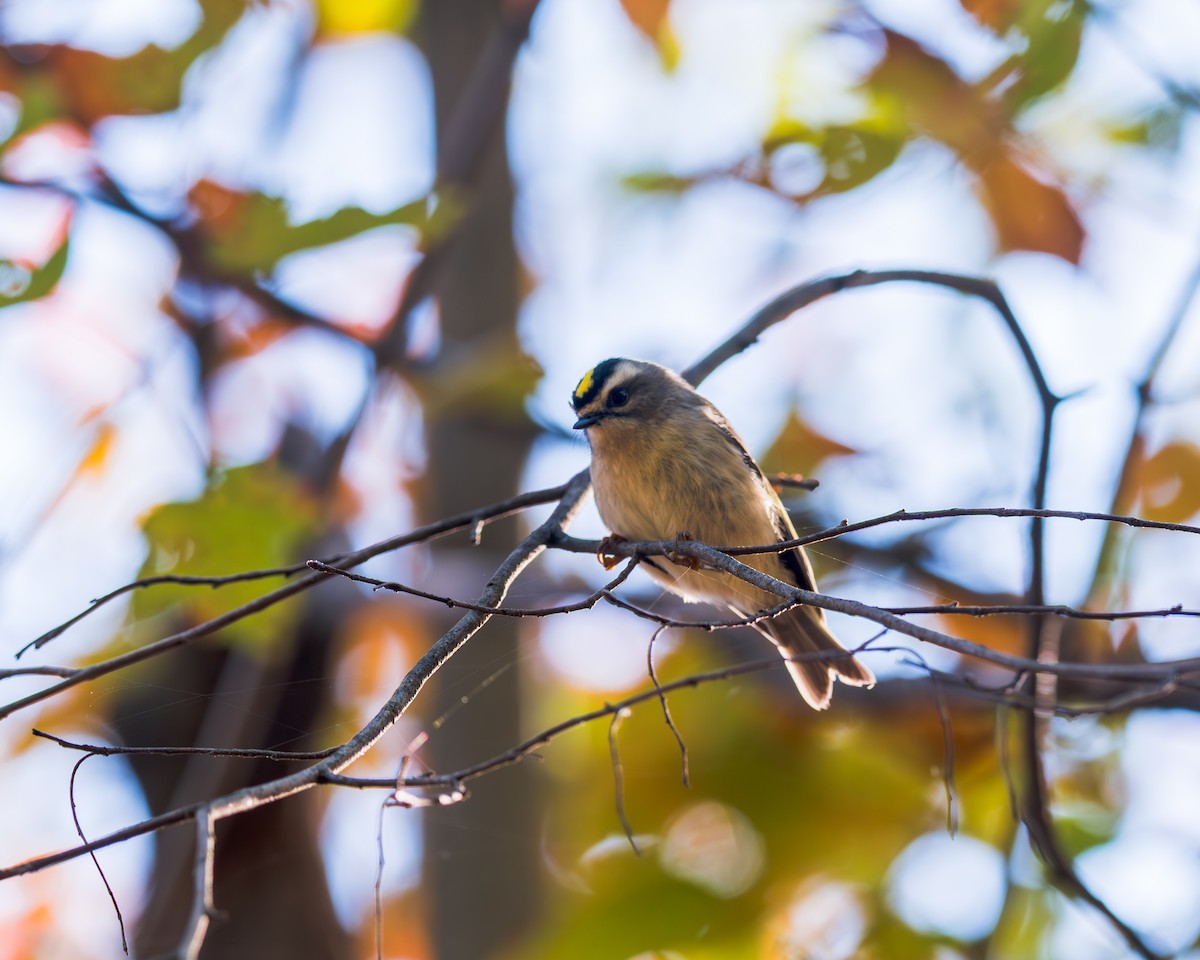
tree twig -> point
(619, 778)
(585, 604)
(552, 533)
(92, 853)
(474, 520)
(203, 907)
(666, 708)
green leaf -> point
(1025, 925)
(20, 283)
(249, 233)
(493, 374)
(249, 518)
(38, 98)
(1081, 825)
(851, 154)
(657, 181)
(682, 917)
(1052, 31)
(1159, 128)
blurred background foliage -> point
(281, 277)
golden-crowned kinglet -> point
(665, 462)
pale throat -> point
(633, 495)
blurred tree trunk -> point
(269, 876)
(480, 864)
(267, 861)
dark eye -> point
(619, 397)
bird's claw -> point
(678, 559)
(604, 553)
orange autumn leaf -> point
(347, 502)
(996, 633)
(403, 928)
(997, 15)
(25, 934)
(380, 638)
(251, 340)
(1029, 213)
(650, 18)
(799, 448)
(221, 208)
(647, 15)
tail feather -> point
(799, 634)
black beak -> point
(584, 422)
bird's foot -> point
(605, 554)
(679, 559)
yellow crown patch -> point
(584, 385)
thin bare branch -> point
(452, 786)
(585, 604)
(192, 634)
(1153, 679)
(475, 520)
(92, 853)
(666, 708)
(329, 769)
(717, 560)
(182, 814)
(798, 297)
(576, 545)
(106, 750)
(1004, 695)
(380, 862)
(203, 908)
(39, 671)
(619, 778)
(154, 581)
(1046, 609)
(948, 761)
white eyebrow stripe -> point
(622, 373)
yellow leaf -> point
(94, 459)
(650, 17)
(1169, 483)
(364, 16)
(98, 453)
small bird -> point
(666, 464)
